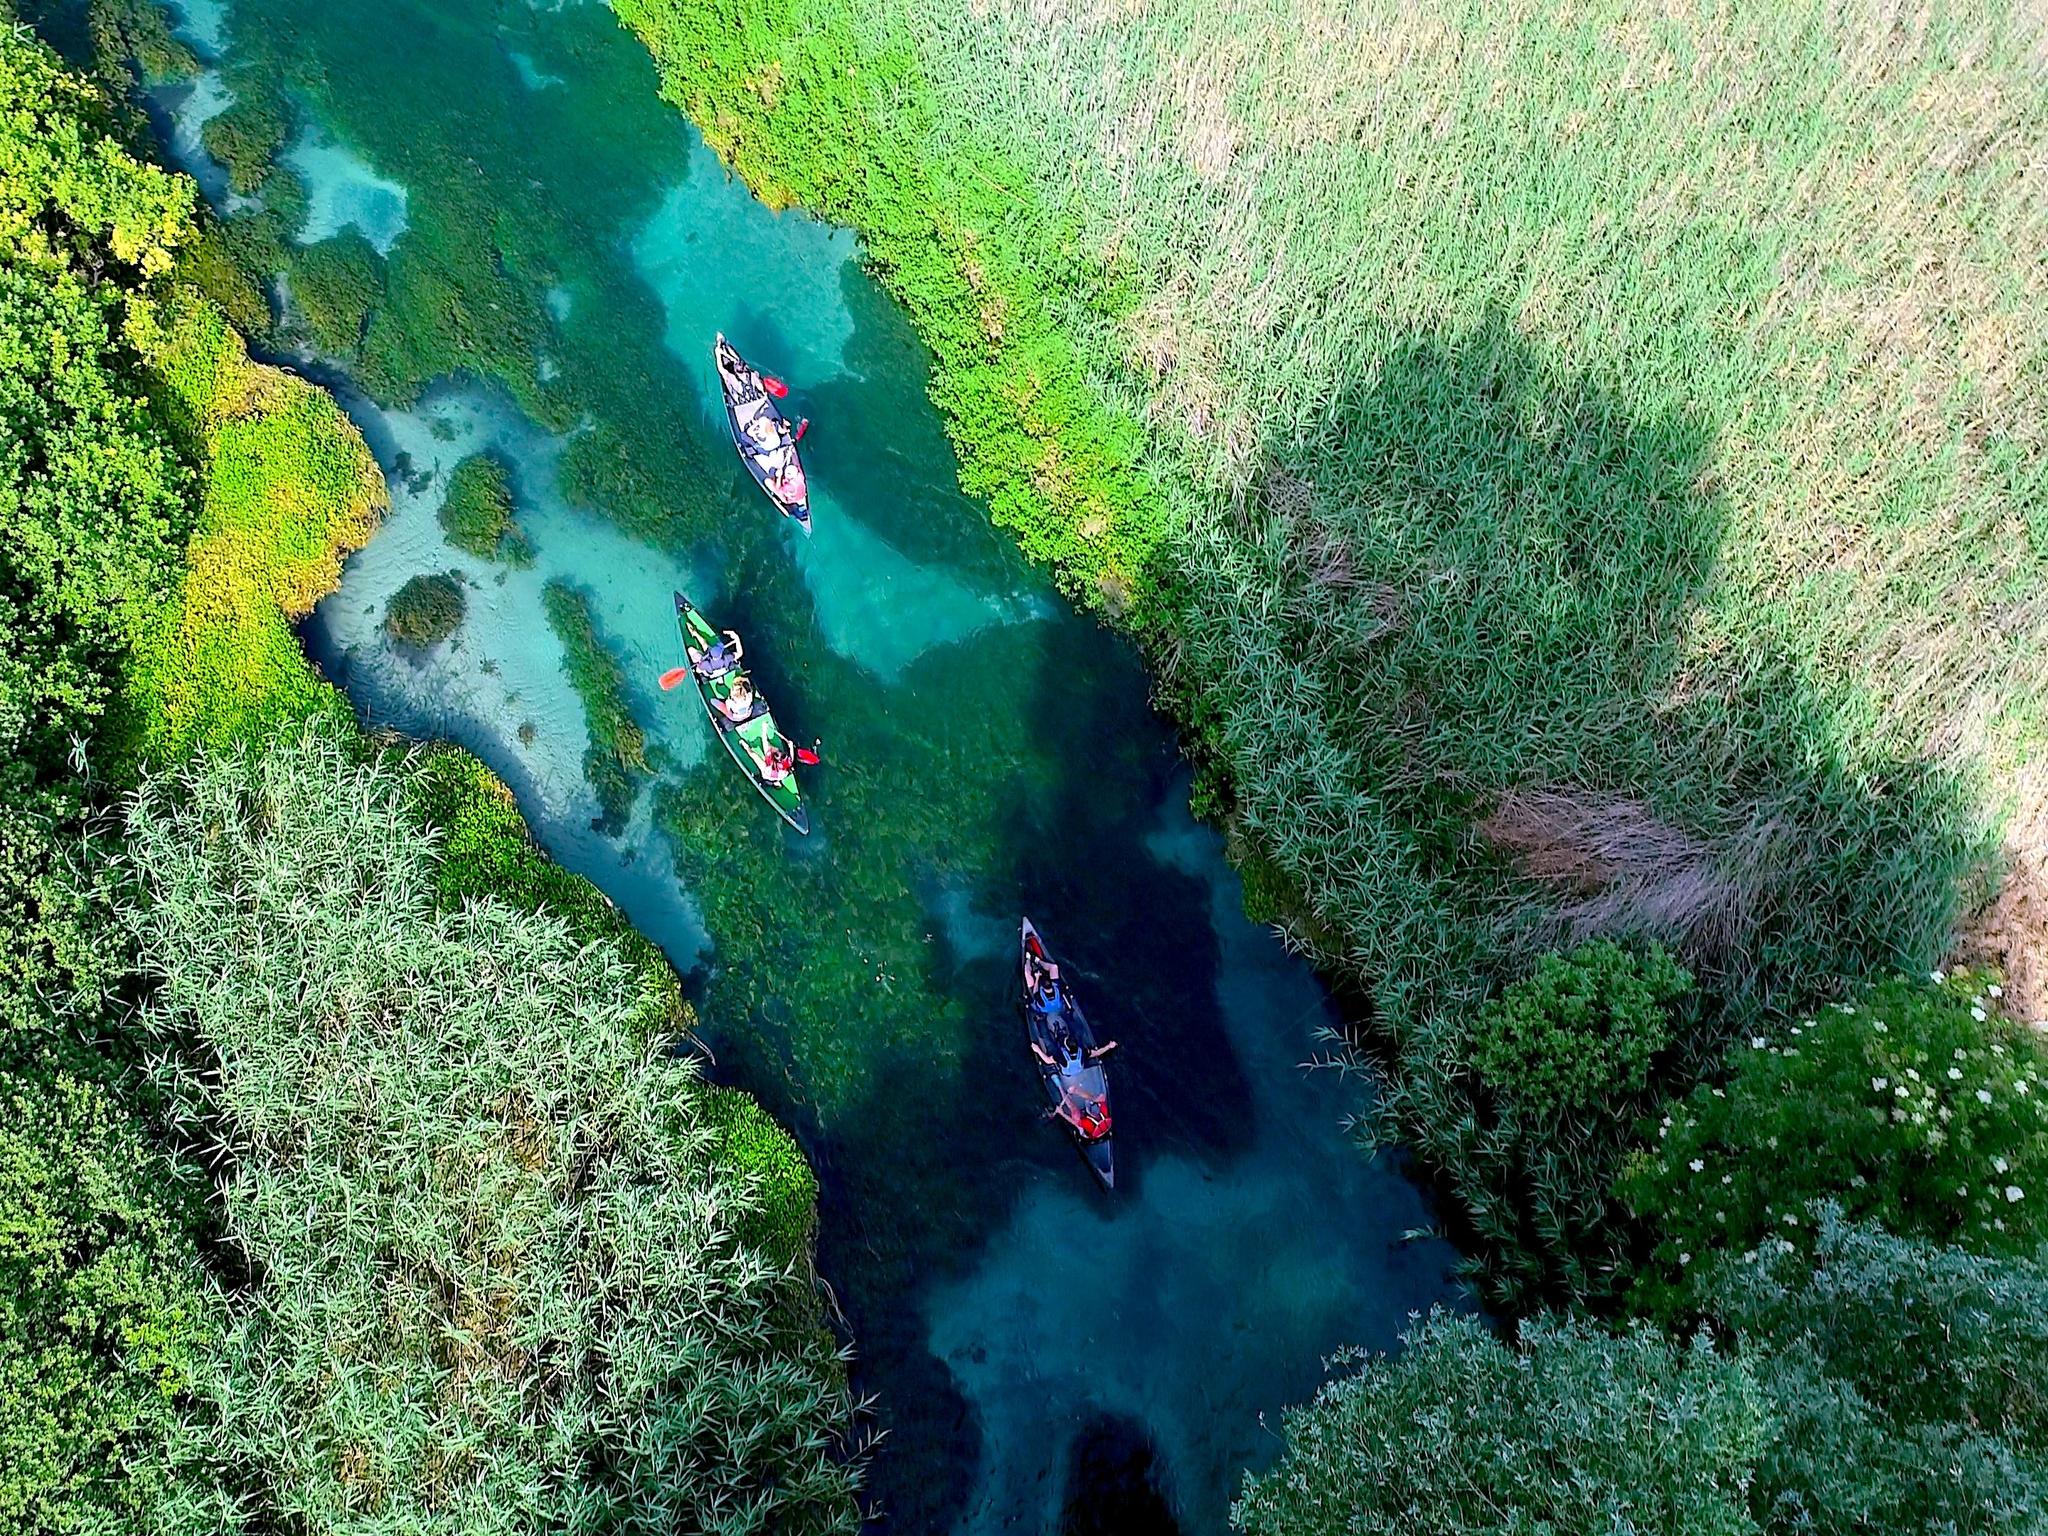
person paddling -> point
(717, 659)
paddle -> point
(801, 428)
(775, 386)
(808, 755)
(673, 677)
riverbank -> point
(1493, 626)
(211, 500)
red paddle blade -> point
(806, 755)
(801, 428)
(672, 677)
(775, 386)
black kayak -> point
(1076, 1085)
(771, 458)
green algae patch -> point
(476, 512)
(425, 611)
(616, 759)
(336, 285)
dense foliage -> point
(1875, 1383)
(1571, 1429)
(464, 1160)
(1904, 1380)
(105, 1312)
(1917, 1106)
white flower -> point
(1995, 990)
(1720, 1093)
(1727, 1178)
(1961, 1054)
(1756, 1042)
(2019, 1085)
(1910, 1072)
(2013, 1193)
(1937, 976)
(1900, 1091)
(1685, 1258)
(1880, 1026)
(1880, 1083)
(1697, 1164)
(1983, 1095)
(1999, 1164)
(1791, 1220)
(1955, 1074)
(1977, 1014)
(1898, 1115)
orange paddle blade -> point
(672, 677)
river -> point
(558, 249)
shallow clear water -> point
(1040, 1350)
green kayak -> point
(754, 740)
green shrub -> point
(1578, 1036)
(425, 611)
(1903, 1378)
(335, 285)
(1917, 1107)
(1570, 1430)
(497, 1274)
(751, 1142)
(105, 1314)
(476, 511)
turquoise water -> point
(1040, 1352)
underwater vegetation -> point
(476, 512)
(426, 610)
(616, 759)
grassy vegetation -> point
(476, 511)
(498, 1276)
(1559, 504)
(616, 759)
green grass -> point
(335, 286)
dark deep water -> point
(1045, 1356)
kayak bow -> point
(1076, 1086)
(747, 403)
(749, 740)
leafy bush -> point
(1579, 1035)
(1917, 1106)
(335, 284)
(1571, 1429)
(105, 1314)
(1904, 1380)
(426, 610)
(461, 1161)
(476, 512)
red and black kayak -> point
(1075, 1083)
(761, 434)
